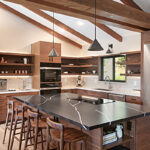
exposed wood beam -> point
(109, 31)
(88, 13)
(131, 3)
(22, 16)
(60, 24)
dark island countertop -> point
(82, 114)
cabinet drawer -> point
(133, 99)
(117, 97)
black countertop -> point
(82, 114)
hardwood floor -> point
(4, 146)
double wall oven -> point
(50, 79)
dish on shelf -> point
(66, 72)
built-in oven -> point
(50, 74)
(50, 80)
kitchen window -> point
(113, 68)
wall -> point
(17, 35)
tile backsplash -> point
(92, 82)
(18, 83)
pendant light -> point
(53, 52)
(95, 46)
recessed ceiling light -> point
(80, 23)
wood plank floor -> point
(4, 146)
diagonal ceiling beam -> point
(60, 24)
(22, 16)
(116, 14)
(131, 3)
(109, 31)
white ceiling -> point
(82, 26)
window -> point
(114, 67)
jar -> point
(119, 131)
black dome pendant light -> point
(53, 52)
(95, 46)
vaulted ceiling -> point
(78, 31)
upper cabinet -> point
(43, 48)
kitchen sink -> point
(103, 89)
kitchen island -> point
(94, 118)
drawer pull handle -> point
(133, 99)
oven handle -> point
(50, 68)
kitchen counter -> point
(82, 114)
(121, 92)
(18, 91)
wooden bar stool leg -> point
(36, 138)
(69, 146)
(13, 136)
(21, 134)
(27, 135)
(42, 146)
(6, 125)
(84, 145)
(11, 127)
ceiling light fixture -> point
(53, 52)
(95, 46)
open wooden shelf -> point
(16, 54)
(79, 74)
(121, 141)
(14, 64)
(133, 64)
(49, 82)
(134, 74)
(13, 74)
(77, 66)
(88, 57)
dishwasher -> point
(117, 97)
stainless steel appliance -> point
(50, 74)
(50, 80)
(3, 84)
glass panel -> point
(120, 68)
(108, 68)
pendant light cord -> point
(53, 29)
(95, 19)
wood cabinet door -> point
(3, 108)
(45, 48)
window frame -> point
(102, 68)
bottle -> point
(25, 60)
(119, 131)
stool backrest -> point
(34, 116)
(10, 106)
(51, 125)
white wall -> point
(130, 43)
(16, 35)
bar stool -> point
(34, 121)
(10, 114)
(20, 118)
(56, 132)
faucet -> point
(107, 79)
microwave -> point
(50, 74)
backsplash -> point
(92, 82)
(18, 83)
